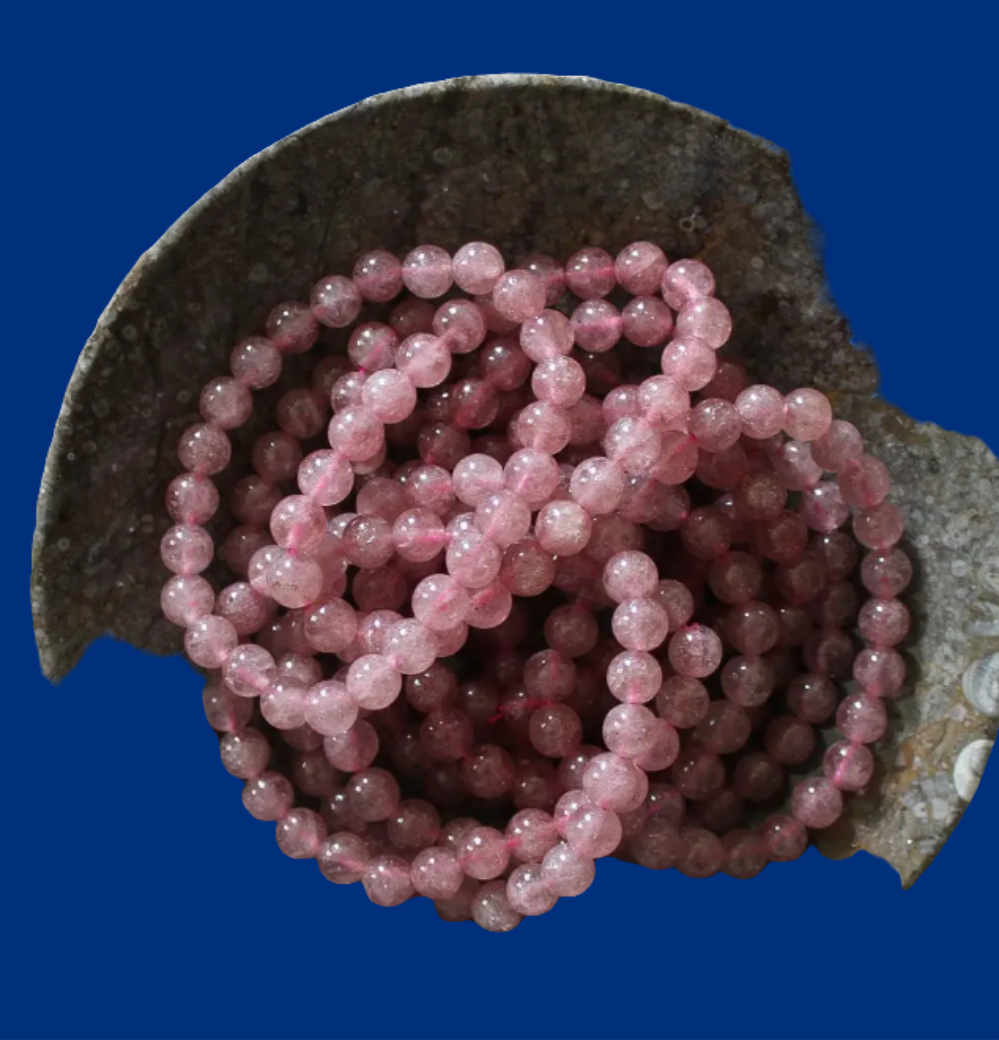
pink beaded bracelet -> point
(535, 555)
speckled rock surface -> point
(532, 163)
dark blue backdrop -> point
(139, 898)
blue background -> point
(139, 898)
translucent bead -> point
(630, 575)
(757, 777)
(411, 316)
(389, 395)
(256, 362)
(788, 740)
(657, 846)
(690, 362)
(784, 838)
(294, 582)
(640, 267)
(532, 475)
(551, 273)
(735, 578)
(695, 651)
(865, 482)
(226, 713)
(546, 335)
(504, 365)
(707, 319)
(225, 403)
(566, 872)
(300, 833)
(697, 773)
(646, 321)
(483, 853)
(849, 766)
(372, 682)
(838, 447)
(298, 523)
(590, 273)
(356, 433)
(440, 602)
(562, 528)
(491, 910)
(542, 426)
(268, 796)
(812, 698)
(387, 881)
(886, 573)
(683, 702)
(292, 327)
(752, 628)
(276, 456)
(715, 425)
(530, 834)
(597, 325)
(633, 443)
(880, 672)
(880, 527)
(630, 730)
(807, 414)
(490, 605)
(597, 485)
(342, 858)
(571, 629)
(724, 729)
(186, 599)
(816, 803)
(424, 359)
(838, 553)
(488, 772)
(249, 670)
(822, 507)
(519, 295)
(436, 873)
(782, 539)
(527, 891)
(378, 276)
(614, 783)
(336, 301)
(559, 380)
(640, 624)
(800, 582)
(686, 280)
(745, 855)
(245, 753)
(204, 449)
(282, 704)
(555, 730)
(884, 622)
(761, 411)
(302, 412)
(354, 750)
(702, 853)
(427, 272)
(477, 267)
(191, 499)
(372, 795)
(209, 641)
(330, 709)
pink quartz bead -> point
(186, 550)
(695, 651)
(757, 777)
(330, 709)
(436, 873)
(633, 443)
(682, 702)
(418, 535)
(838, 553)
(343, 857)
(532, 475)
(782, 539)
(186, 598)
(812, 698)
(367, 541)
(249, 670)
(477, 267)
(838, 447)
(639, 268)
(530, 834)
(209, 641)
(491, 605)
(555, 730)
(630, 730)
(298, 523)
(378, 276)
(409, 647)
(657, 845)
(504, 365)
(354, 750)
(597, 485)
(880, 672)
(686, 280)
(191, 499)
(788, 740)
(256, 362)
(294, 582)
(884, 622)
(697, 773)
(646, 321)
(761, 411)
(519, 296)
(724, 729)
(446, 735)
(527, 891)
(752, 628)
(225, 712)
(336, 301)
(597, 325)
(630, 575)
(253, 500)
(268, 796)
(483, 853)
(503, 517)
(461, 326)
(614, 783)
(476, 477)
(356, 433)
(745, 855)
(440, 602)
(807, 414)
(387, 881)
(559, 380)
(410, 316)
(702, 853)
(549, 676)
(292, 327)
(566, 872)
(706, 318)
(735, 577)
(490, 908)
(245, 753)
(372, 795)
(590, 273)
(784, 838)
(543, 427)
(424, 359)
(546, 335)
(435, 688)
(640, 624)
(634, 676)
(427, 272)
(678, 458)
(822, 507)
(676, 599)
(551, 273)
(690, 362)
(225, 403)
(662, 401)
(886, 573)
(572, 630)
(593, 832)
(300, 833)
(389, 395)
(415, 824)
(880, 527)
(715, 425)
(372, 682)
(816, 803)
(865, 482)
(729, 381)
(848, 766)
(282, 704)
(563, 528)
(800, 582)
(204, 449)
(276, 456)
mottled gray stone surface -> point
(532, 163)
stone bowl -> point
(534, 164)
